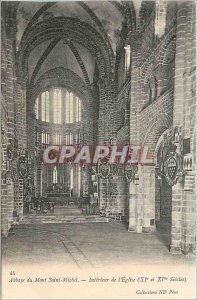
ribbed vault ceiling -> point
(106, 17)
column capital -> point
(127, 48)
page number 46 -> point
(12, 273)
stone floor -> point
(94, 245)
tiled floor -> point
(94, 244)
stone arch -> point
(80, 63)
(34, 19)
(148, 72)
(147, 67)
(131, 14)
(158, 144)
(161, 192)
(168, 46)
(71, 29)
(150, 83)
(147, 7)
(97, 22)
(159, 125)
(48, 51)
(127, 12)
(61, 77)
(169, 54)
(88, 10)
(42, 59)
(65, 78)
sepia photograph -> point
(98, 150)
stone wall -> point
(13, 123)
(170, 68)
(157, 93)
(151, 109)
(183, 202)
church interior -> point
(95, 73)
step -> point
(67, 211)
(62, 219)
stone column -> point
(106, 117)
(39, 163)
(132, 207)
(8, 91)
(21, 135)
(183, 202)
(118, 193)
(106, 132)
(135, 192)
(148, 220)
(104, 194)
(122, 196)
(86, 178)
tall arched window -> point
(45, 106)
(72, 108)
(55, 175)
(65, 106)
(71, 178)
(36, 108)
(77, 137)
(69, 107)
(45, 138)
(57, 107)
(160, 18)
(69, 138)
(78, 110)
(79, 179)
(58, 138)
(127, 58)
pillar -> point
(148, 219)
(183, 202)
(132, 207)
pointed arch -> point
(97, 21)
(80, 62)
(36, 16)
(61, 77)
(42, 59)
(70, 29)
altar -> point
(58, 194)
